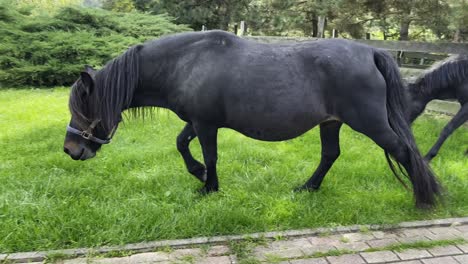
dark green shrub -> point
(49, 51)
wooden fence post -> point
(334, 33)
(236, 28)
(243, 28)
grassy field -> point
(137, 189)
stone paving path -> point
(411, 243)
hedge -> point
(51, 50)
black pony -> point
(269, 92)
(445, 80)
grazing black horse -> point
(269, 92)
(445, 80)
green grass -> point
(137, 189)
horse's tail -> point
(425, 185)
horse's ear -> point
(89, 69)
(88, 81)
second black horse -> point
(447, 79)
(269, 92)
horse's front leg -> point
(193, 166)
(207, 135)
(460, 118)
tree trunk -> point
(320, 26)
(456, 37)
(404, 30)
(314, 25)
(224, 17)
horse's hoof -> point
(305, 188)
(207, 190)
(199, 172)
(425, 206)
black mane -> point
(451, 71)
(114, 86)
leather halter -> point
(88, 133)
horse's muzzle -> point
(77, 152)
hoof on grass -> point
(305, 188)
(207, 190)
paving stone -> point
(317, 249)
(380, 243)
(408, 262)
(462, 228)
(353, 246)
(414, 232)
(309, 261)
(410, 240)
(446, 233)
(150, 257)
(383, 235)
(215, 260)
(284, 254)
(77, 261)
(442, 260)
(284, 249)
(413, 254)
(124, 260)
(444, 251)
(216, 251)
(289, 244)
(379, 256)
(463, 259)
(181, 253)
(444, 230)
(463, 247)
(378, 234)
(346, 259)
(447, 236)
(330, 240)
(357, 237)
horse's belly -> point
(271, 128)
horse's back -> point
(269, 91)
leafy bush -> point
(51, 50)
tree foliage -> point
(389, 19)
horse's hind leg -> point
(460, 118)
(183, 141)
(329, 136)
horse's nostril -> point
(66, 150)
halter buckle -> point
(86, 135)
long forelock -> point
(77, 106)
(114, 86)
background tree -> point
(214, 14)
(118, 5)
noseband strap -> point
(87, 134)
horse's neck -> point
(144, 97)
(420, 94)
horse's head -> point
(89, 127)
